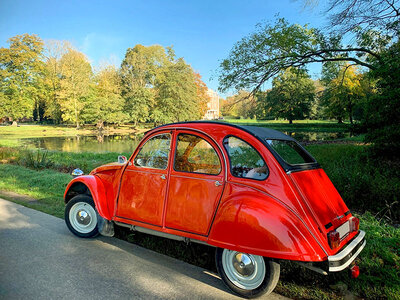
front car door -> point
(196, 183)
(144, 182)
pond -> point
(127, 143)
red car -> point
(253, 193)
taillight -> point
(354, 224)
(334, 239)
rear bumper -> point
(344, 258)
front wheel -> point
(248, 275)
(81, 216)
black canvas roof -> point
(262, 133)
(267, 133)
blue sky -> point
(203, 32)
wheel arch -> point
(262, 225)
(93, 186)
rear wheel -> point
(246, 274)
(81, 216)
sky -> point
(202, 32)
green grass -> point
(57, 160)
(299, 125)
(47, 186)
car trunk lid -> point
(321, 197)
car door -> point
(144, 182)
(196, 183)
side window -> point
(194, 154)
(154, 153)
(245, 161)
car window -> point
(290, 152)
(245, 161)
(154, 153)
(194, 154)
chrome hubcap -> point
(245, 271)
(83, 217)
(243, 264)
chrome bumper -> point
(344, 258)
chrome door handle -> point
(163, 176)
(217, 183)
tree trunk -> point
(76, 114)
(100, 125)
(290, 121)
(350, 108)
(340, 120)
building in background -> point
(212, 112)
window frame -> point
(205, 139)
(288, 168)
(230, 162)
(308, 155)
(145, 142)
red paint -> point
(286, 216)
(355, 271)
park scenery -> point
(59, 111)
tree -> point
(351, 15)
(202, 93)
(177, 98)
(54, 51)
(21, 73)
(243, 104)
(382, 111)
(139, 70)
(272, 48)
(105, 103)
(291, 96)
(342, 93)
(74, 85)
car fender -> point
(95, 187)
(255, 223)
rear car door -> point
(196, 183)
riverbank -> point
(33, 130)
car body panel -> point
(98, 192)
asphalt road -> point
(41, 259)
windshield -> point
(291, 152)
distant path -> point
(41, 259)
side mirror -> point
(122, 159)
(77, 172)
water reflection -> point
(127, 143)
(98, 143)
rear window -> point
(290, 152)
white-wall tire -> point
(246, 274)
(81, 216)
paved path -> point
(41, 259)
